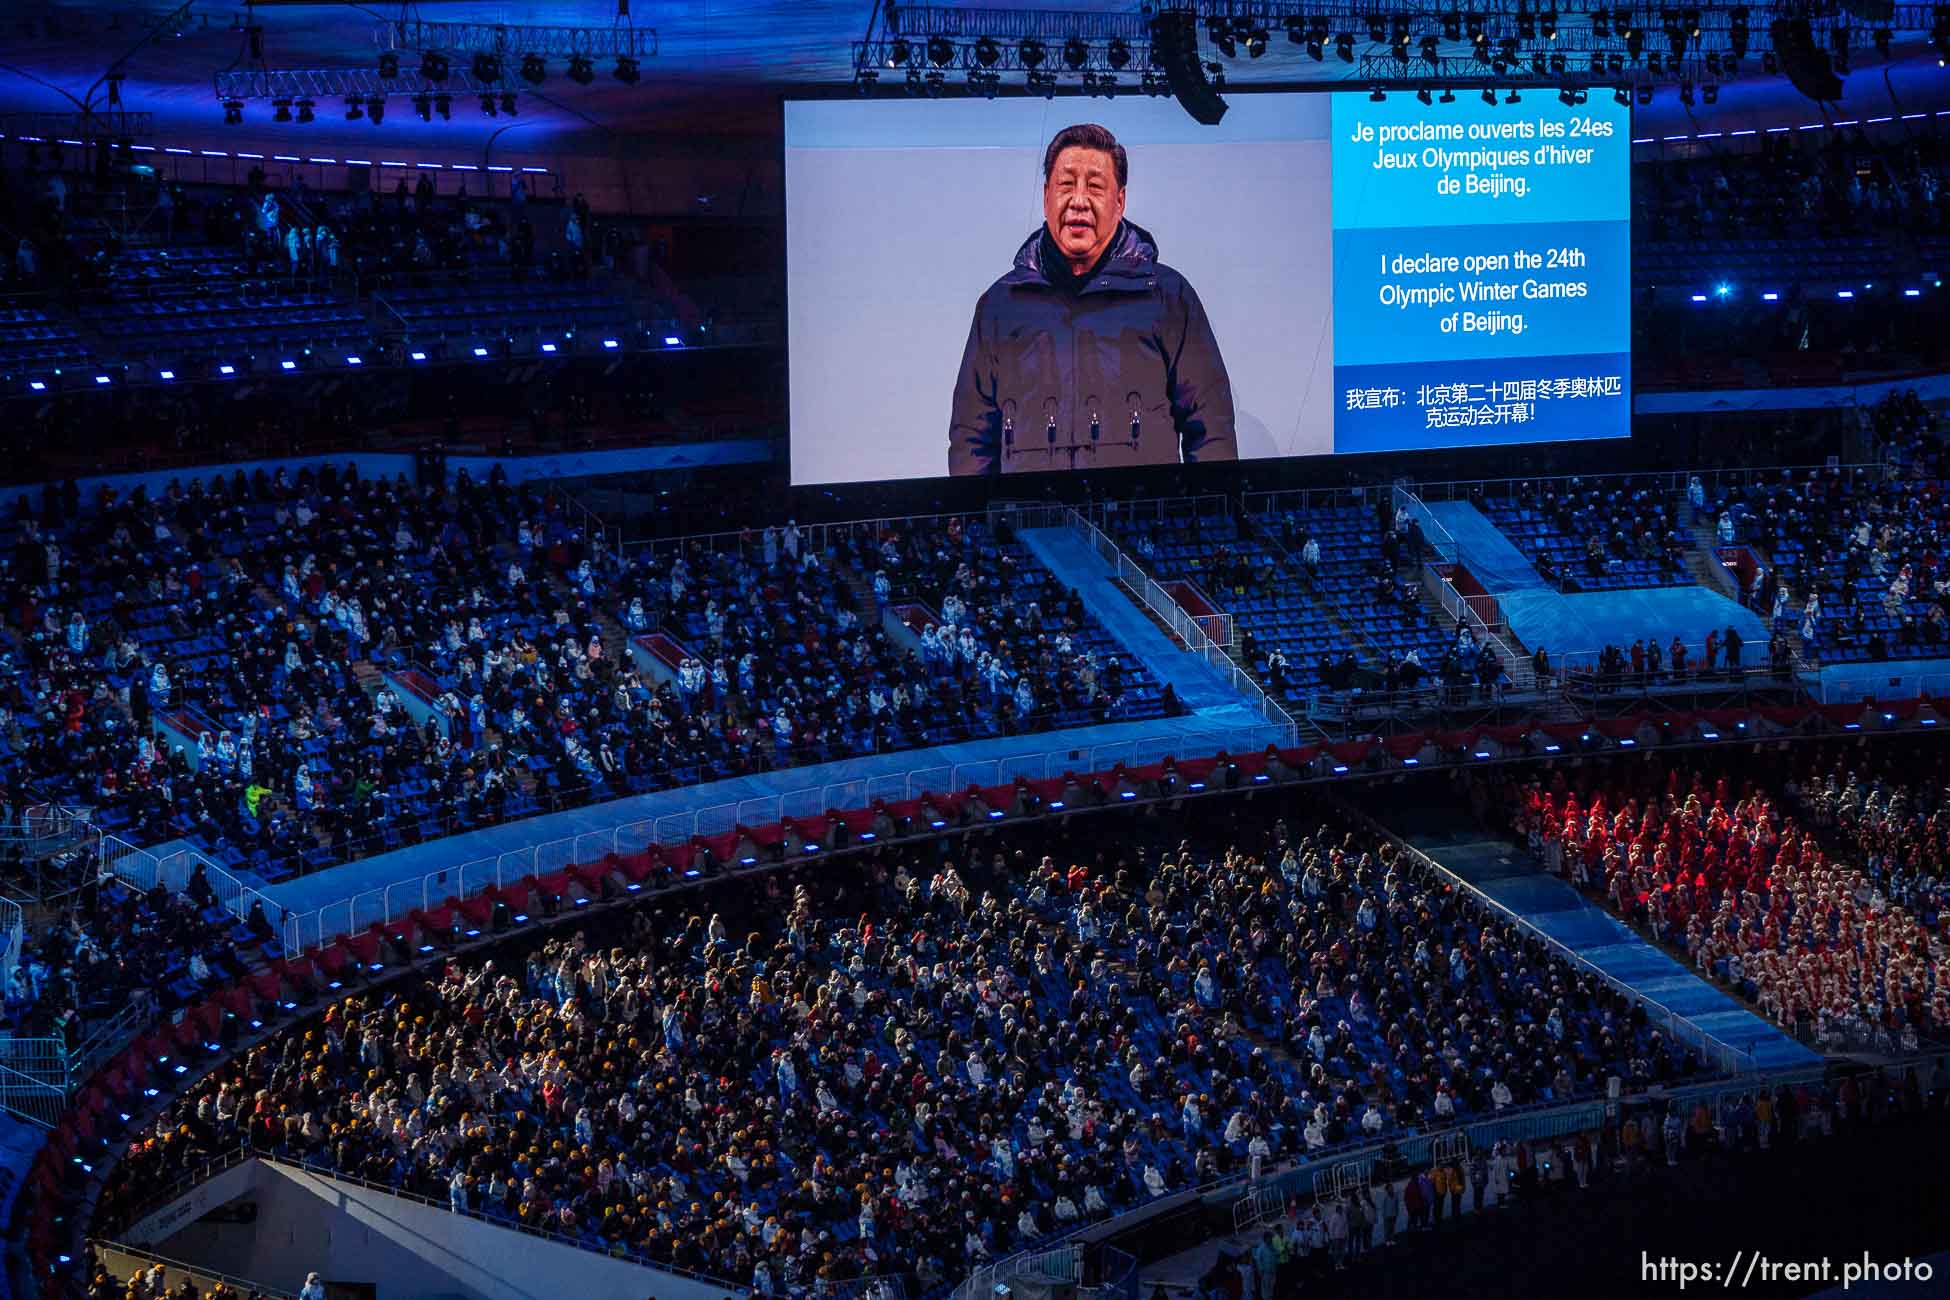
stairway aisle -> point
(1068, 554)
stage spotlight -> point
(1513, 97)
(487, 67)
(1881, 38)
(1377, 95)
(389, 65)
(376, 109)
(627, 70)
(280, 110)
(1452, 26)
(1118, 56)
(1424, 96)
(1686, 93)
(534, 69)
(1031, 52)
(1600, 24)
(1175, 56)
(305, 111)
(233, 112)
(1075, 54)
(1489, 97)
(1644, 94)
(1431, 51)
(1220, 31)
(354, 110)
(433, 66)
(1548, 24)
(941, 51)
(1621, 96)
(1448, 96)
(581, 70)
(1256, 42)
(507, 104)
(898, 54)
(988, 53)
(423, 107)
(487, 105)
(1344, 46)
(1377, 29)
(444, 105)
(1710, 93)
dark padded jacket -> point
(1125, 372)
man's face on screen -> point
(1082, 204)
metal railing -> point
(1278, 503)
(385, 904)
(29, 1097)
(118, 1258)
(1673, 482)
(1184, 626)
(244, 1151)
(1725, 1058)
(1206, 506)
(1523, 677)
(13, 937)
(605, 539)
(38, 1076)
(145, 871)
(1062, 1262)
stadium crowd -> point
(1841, 182)
(823, 1076)
(1858, 555)
(1811, 880)
(342, 665)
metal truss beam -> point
(1382, 69)
(1013, 24)
(1350, 14)
(113, 124)
(345, 83)
(414, 35)
(887, 56)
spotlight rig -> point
(1186, 46)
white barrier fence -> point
(384, 904)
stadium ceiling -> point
(716, 70)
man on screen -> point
(1090, 352)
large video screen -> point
(1028, 285)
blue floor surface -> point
(1068, 554)
(1493, 558)
(1583, 622)
(1504, 874)
(1573, 627)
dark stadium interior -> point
(512, 785)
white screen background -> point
(888, 246)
